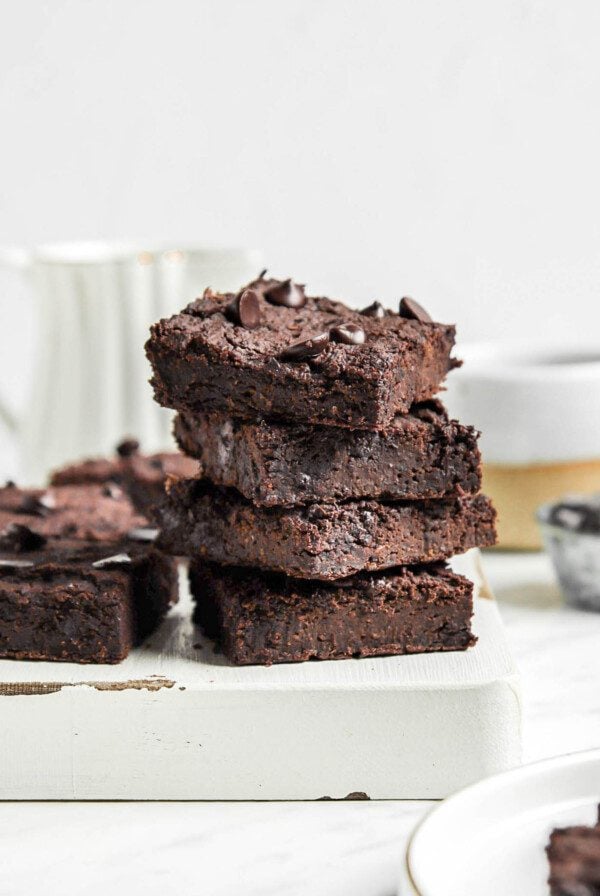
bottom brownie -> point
(81, 603)
(262, 618)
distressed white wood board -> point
(175, 721)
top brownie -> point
(272, 351)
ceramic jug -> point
(93, 306)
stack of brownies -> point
(333, 486)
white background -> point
(448, 151)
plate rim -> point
(512, 775)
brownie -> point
(142, 476)
(419, 455)
(75, 512)
(574, 857)
(314, 361)
(319, 541)
(263, 618)
(79, 602)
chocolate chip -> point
(349, 334)
(302, 351)
(413, 311)
(15, 564)
(156, 463)
(10, 484)
(143, 533)
(112, 490)
(128, 447)
(376, 309)
(20, 538)
(37, 505)
(286, 293)
(261, 276)
(115, 560)
(245, 309)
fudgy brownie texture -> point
(314, 362)
(75, 512)
(264, 618)
(318, 541)
(142, 476)
(78, 602)
(574, 857)
(420, 455)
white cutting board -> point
(175, 721)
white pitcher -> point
(94, 303)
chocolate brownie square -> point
(79, 602)
(272, 351)
(142, 476)
(74, 512)
(319, 541)
(261, 618)
(422, 454)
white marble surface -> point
(292, 849)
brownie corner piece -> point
(316, 362)
(81, 602)
(261, 619)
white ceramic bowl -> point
(535, 403)
(538, 409)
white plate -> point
(490, 838)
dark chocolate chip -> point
(286, 293)
(37, 505)
(375, 309)
(303, 351)
(20, 538)
(349, 334)
(143, 533)
(413, 311)
(261, 276)
(156, 463)
(115, 560)
(10, 484)
(128, 447)
(245, 309)
(15, 564)
(112, 490)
